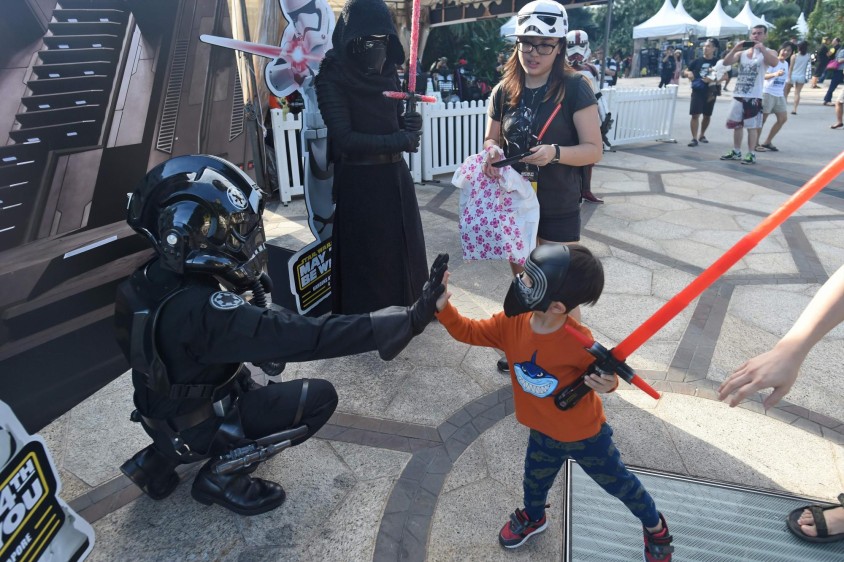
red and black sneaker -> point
(658, 545)
(519, 529)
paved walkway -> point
(423, 458)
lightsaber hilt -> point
(606, 363)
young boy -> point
(544, 359)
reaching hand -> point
(443, 300)
(413, 121)
(777, 369)
(422, 311)
(492, 154)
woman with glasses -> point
(537, 79)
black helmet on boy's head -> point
(569, 274)
(202, 215)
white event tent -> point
(802, 26)
(683, 15)
(719, 24)
(508, 28)
(666, 23)
(748, 18)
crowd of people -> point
(185, 322)
(764, 80)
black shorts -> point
(700, 103)
(562, 229)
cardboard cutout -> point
(304, 43)
(35, 523)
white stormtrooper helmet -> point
(542, 18)
(577, 43)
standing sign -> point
(310, 275)
(35, 524)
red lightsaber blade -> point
(682, 299)
(414, 46)
(614, 360)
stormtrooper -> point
(185, 325)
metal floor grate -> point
(710, 522)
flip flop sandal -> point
(837, 126)
(769, 147)
(820, 523)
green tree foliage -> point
(782, 31)
(480, 42)
(826, 20)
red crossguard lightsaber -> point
(411, 97)
(407, 96)
(613, 360)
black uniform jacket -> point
(203, 334)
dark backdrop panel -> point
(45, 382)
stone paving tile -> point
(386, 458)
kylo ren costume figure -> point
(185, 325)
(377, 227)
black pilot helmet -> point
(202, 215)
(569, 274)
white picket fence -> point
(640, 114)
(452, 132)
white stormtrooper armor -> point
(542, 18)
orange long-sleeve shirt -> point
(557, 354)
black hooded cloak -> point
(378, 249)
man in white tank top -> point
(746, 111)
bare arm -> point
(774, 74)
(769, 55)
(731, 57)
(493, 133)
(779, 367)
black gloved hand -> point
(272, 368)
(422, 311)
(412, 121)
(413, 140)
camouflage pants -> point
(598, 457)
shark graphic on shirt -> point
(534, 379)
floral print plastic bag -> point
(498, 218)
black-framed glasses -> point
(542, 48)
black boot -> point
(236, 492)
(152, 472)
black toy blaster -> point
(259, 451)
